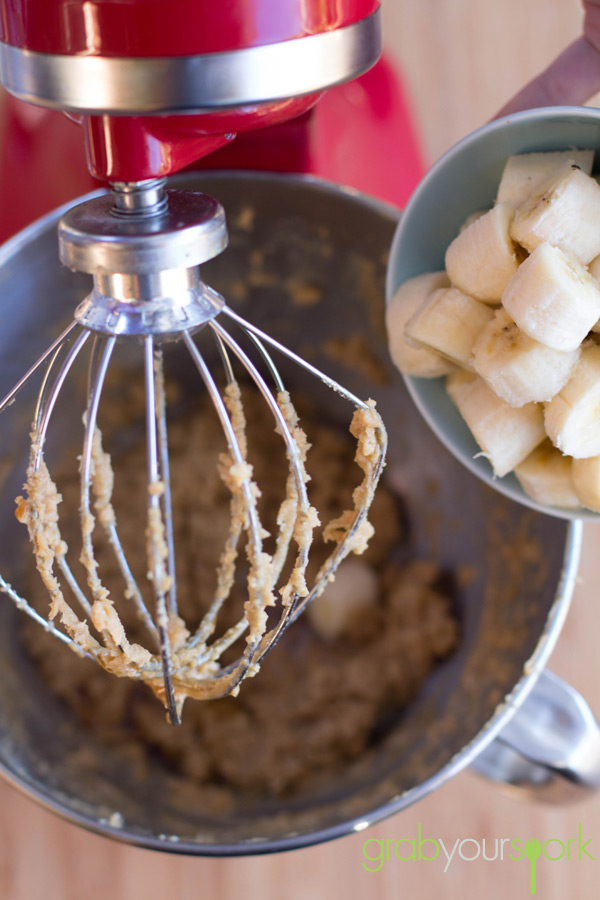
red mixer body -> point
(173, 28)
(360, 133)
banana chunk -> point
(594, 268)
(553, 299)
(517, 368)
(472, 217)
(449, 322)
(505, 434)
(482, 258)
(586, 480)
(565, 212)
(419, 361)
(547, 477)
(525, 173)
(572, 418)
(355, 588)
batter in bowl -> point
(319, 700)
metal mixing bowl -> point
(523, 564)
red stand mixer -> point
(151, 96)
(291, 86)
(98, 61)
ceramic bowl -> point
(466, 179)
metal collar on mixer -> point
(142, 230)
(144, 245)
(184, 84)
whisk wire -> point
(55, 347)
(155, 532)
(297, 473)
(165, 476)
(96, 375)
(107, 517)
(47, 624)
(47, 401)
(45, 404)
(251, 521)
(282, 425)
(330, 382)
(269, 362)
(286, 523)
(74, 585)
(225, 568)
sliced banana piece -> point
(586, 480)
(356, 587)
(594, 268)
(546, 476)
(572, 417)
(523, 174)
(517, 368)
(553, 298)
(418, 361)
(449, 322)
(564, 212)
(505, 434)
(472, 217)
(482, 258)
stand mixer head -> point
(152, 96)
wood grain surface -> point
(462, 60)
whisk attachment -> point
(144, 246)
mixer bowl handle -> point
(550, 749)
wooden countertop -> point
(462, 60)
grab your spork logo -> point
(530, 852)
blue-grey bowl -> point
(463, 180)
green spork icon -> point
(532, 850)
